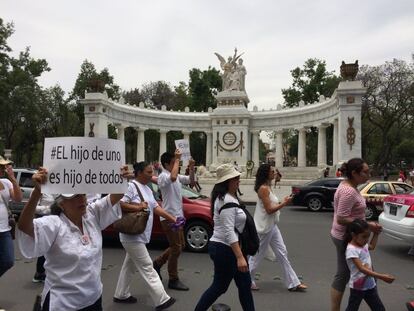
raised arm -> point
(176, 166)
(115, 197)
(25, 223)
(15, 194)
(191, 164)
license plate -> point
(393, 209)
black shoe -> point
(177, 285)
(39, 277)
(158, 269)
(166, 304)
(130, 299)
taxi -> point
(375, 192)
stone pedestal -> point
(230, 129)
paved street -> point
(310, 251)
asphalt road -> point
(310, 251)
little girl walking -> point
(362, 281)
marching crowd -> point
(70, 242)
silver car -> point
(24, 178)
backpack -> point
(248, 238)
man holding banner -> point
(169, 182)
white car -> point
(397, 220)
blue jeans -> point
(225, 270)
(6, 252)
(370, 296)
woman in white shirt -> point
(72, 245)
(224, 249)
(137, 256)
(266, 216)
(9, 189)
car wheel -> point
(370, 212)
(197, 234)
(314, 204)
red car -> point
(199, 223)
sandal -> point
(254, 286)
(300, 288)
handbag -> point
(12, 219)
(133, 222)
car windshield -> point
(186, 192)
(189, 193)
(361, 186)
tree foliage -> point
(309, 82)
(19, 90)
(202, 87)
(387, 112)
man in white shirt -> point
(169, 182)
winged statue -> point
(233, 72)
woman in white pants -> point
(137, 256)
(266, 216)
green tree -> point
(88, 79)
(309, 82)
(19, 88)
(202, 87)
(388, 110)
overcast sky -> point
(141, 41)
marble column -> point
(322, 145)
(255, 147)
(335, 143)
(163, 141)
(209, 148)
(186, 135)
(302, 148)
(141, 144)
(121, 132)
(279, 149)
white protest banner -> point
(84, 165)
(184, 147)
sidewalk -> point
(247, 188)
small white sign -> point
(184, 146)
(84, 165)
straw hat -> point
(225, 172)
(3, 161)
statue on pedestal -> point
(234, 72)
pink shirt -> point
(348, 202)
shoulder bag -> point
(133, 222)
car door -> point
(331, 186)
(376, 194)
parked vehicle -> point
(24, 178)
(375, 192)
(397, 220)
(316, 194)
(199, 222)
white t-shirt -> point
(73, 261)
(359, 280)
(172, 201)
(227, 220)
(132, 196)
(4, 214)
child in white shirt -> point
(362, 277)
